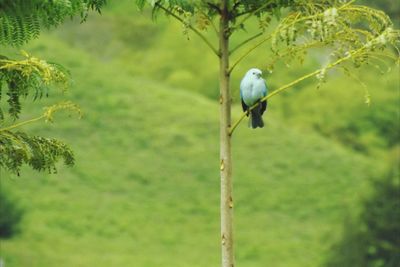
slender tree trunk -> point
(225, 142)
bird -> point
(252, 89)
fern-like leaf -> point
(22, 20)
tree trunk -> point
(225, 142)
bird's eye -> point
(254, 73)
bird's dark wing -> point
(264, 105)
(245, 107)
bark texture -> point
(225, 142)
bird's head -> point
(254, 73)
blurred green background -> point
(145, 188)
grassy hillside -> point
(145, 189)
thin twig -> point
(246, 41)
(208, 43)
(248, 52)
(22, 123)
(214, 6)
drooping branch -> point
(298, 49)
(197, 32)
(350, 55)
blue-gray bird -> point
(252, 89)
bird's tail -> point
(255, 119)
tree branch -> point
(245, 42)
(282, 88)
(207, 42)
(248, 52)
(215, 7)
(245, 12)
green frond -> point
(29, 76)
(17, 149)
(22, 20)
(48, 115)
(64, 106)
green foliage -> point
(30, 76)
(17, 148)
(211, 8)
(373, 240)
(345, 28)
(20, 78)
(391, 7)
(22, 20)
(10, 215)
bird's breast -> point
(251, 95)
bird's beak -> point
(259, 75)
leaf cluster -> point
(22, 20)
(301, 24)
(200, 13)
(343, 27)
(18, 148)
(29, 76)
(19, 79)
(40, 153)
